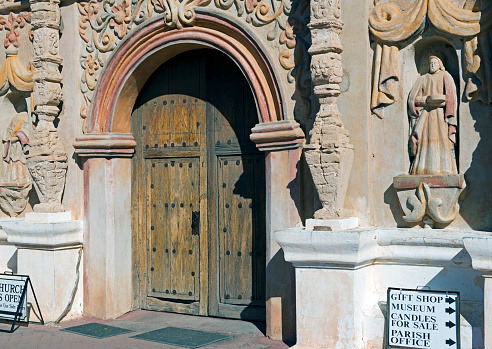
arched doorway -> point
(199, 185)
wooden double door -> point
(199, 190)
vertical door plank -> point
(159, 230)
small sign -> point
(11, 296)
(423, 319)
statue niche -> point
(15, 181)
(430, 192)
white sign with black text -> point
(11, 290)
(423, 319)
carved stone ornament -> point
(429, 199)
(47, 159)
(104, 23)
(392, 27)
(329, 154)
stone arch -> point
(141, 53)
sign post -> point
(423, 319)
(13, 298)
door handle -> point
(195, 223)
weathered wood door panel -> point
(199, 190)
(174, 256)
(241, 244)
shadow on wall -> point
(281, 276)
(470, 284)
(391, 199)
(12, 263)
(475, 208)
(303, 191)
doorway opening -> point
(198, 190)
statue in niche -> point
(432, 105)
(16, 181)
(430, 193)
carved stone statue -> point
(430, 193)
(15, 179)
(432, 106)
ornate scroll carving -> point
(47, 159)
(103, 23)
(391, 27)
(329, 153)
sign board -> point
(423, 319)
(11, 295)
(13, 298)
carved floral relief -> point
(103, 23)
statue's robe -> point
(434, 154)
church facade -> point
(265, 160)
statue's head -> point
(435, 64)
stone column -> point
(47, 160)
(328, 153)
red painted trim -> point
(155, 35)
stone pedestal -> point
(342, 279)
(48, 247)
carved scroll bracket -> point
(329, 153)
(47, 160)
